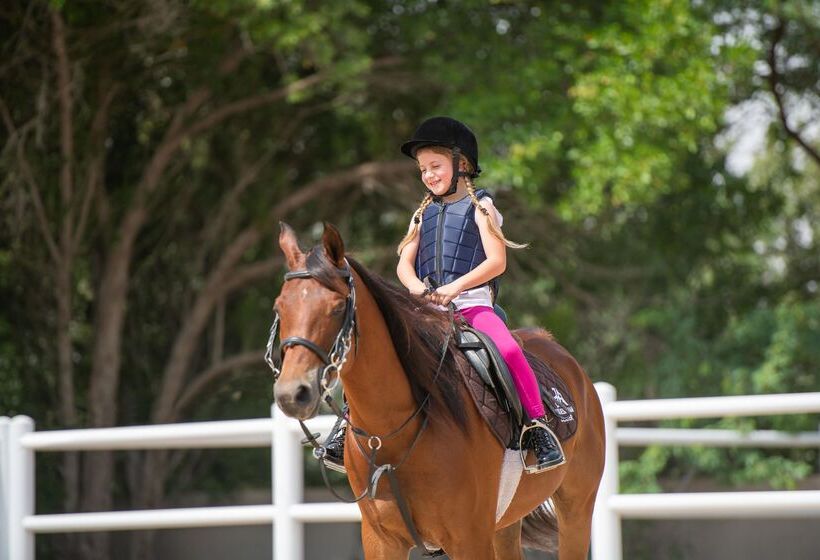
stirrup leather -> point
(534, 468)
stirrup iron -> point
(522, 451)
(333, 466)
(324, 456)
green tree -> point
(150, 150)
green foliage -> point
(652, 75)
(606, 103)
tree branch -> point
(331, 183)
(253, 102)
(775, 84)
(262, 99)
(7, 120)
(66, 103)
(218, 337)
(99, 125)
(195, 101)
(39, 209)
(201, 381)
(215, 229)
(248, 175)
(223, 274)
(176, 134)
(251, 273)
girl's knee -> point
(510, 351)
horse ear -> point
(290, 246)
(334, 246)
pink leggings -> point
(484, 319)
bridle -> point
(335, 359)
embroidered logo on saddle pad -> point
(558, 404)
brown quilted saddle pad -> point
(554, 393)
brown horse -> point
(449, 462)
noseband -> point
(335, 359)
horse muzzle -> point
(297, 398)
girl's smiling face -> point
(436, 170)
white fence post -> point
(4, 487)
(20, 489)
(288, 533)
(606, 523)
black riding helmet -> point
(450, 133)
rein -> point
(333, 362)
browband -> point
(343, 272)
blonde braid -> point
(417, 215)
(494, 229)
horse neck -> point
(376, 384)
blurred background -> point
(661, 158)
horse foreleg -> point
(507, 543)
(474, 547)
(377, 547)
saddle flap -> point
(484, 356)
(491, 387)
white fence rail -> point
(287, 514)
(611, 507)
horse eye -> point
(338, 309)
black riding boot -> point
(547, 450)
(335, 450)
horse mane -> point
(417, 330)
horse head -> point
(316, 312)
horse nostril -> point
(303, 395)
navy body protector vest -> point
(450, 243)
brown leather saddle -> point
(492, 389)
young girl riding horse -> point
(455, 254)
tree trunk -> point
(150, 495)
(64, 264)
(67, 411)
(98, 468)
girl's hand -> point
(418, 289)
(446, 293)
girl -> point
(456, 244)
